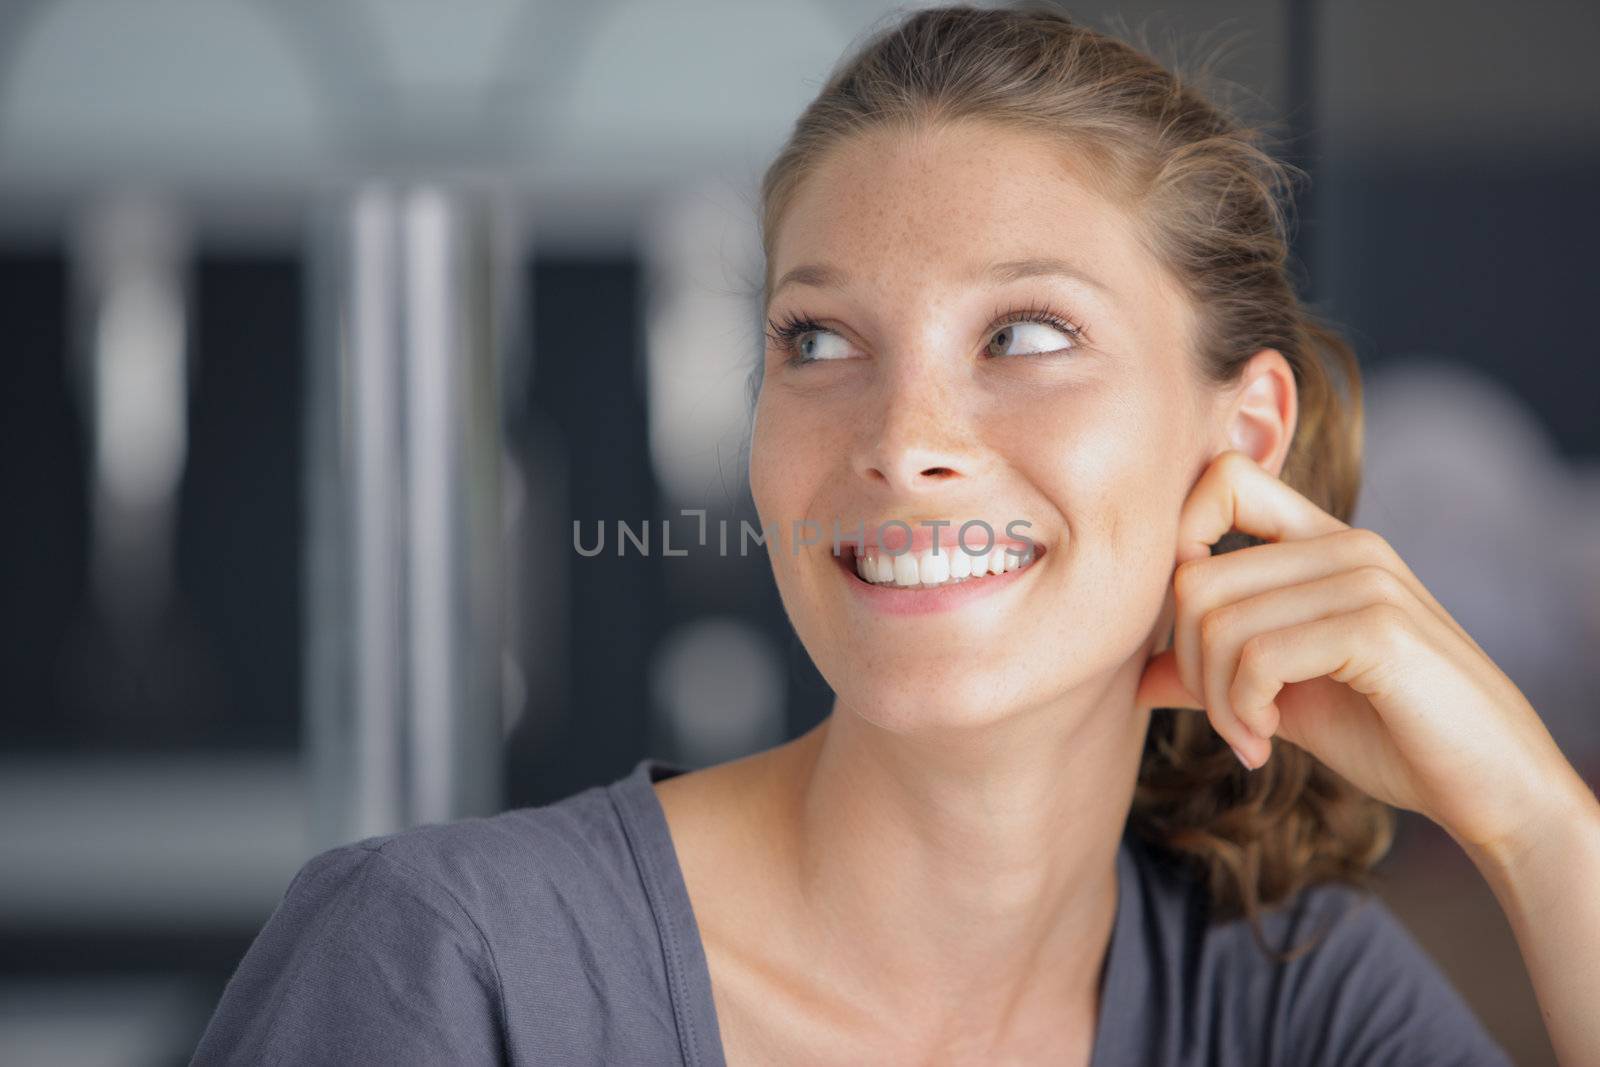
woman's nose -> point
(917, 439)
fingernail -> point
(1242, 760)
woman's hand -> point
(1325, 638)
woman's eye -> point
(820, 344)
(1029, 339)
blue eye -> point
(813, 345)
(1037, 335)
(807, 342)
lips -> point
(919, 565)
(927, 595)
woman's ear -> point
(1259, 411)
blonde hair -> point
(1213, 204)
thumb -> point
(1161, 687)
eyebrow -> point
(822, 276)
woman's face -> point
(932, 374)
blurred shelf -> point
(191, 842)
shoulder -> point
(488, 862)
(444, 943)
(537, 888)
(1333, 977)
(1365, 991)
(364, 960)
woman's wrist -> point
(1565, 829)
(1546, 878)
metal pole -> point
(404, 442)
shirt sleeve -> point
(1369, 996)
(364, 961)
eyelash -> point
(787, 333)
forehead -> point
(938, 205)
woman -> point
(1032, 352)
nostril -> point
(939, 472)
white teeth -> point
(882, 569)
(928, 568)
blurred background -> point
(322, 323)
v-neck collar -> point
(689, 975)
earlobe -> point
(1260, 418)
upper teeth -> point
(944, 567)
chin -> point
(919, 697)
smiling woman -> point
(1084, 394)
(1093, 789)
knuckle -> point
(1216, 624)
(1187, 578)
(1251, 654)
(1369, 544)
(1378, 583)
(1389, 624)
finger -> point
(1205, 585)
(1236, 492)
(1351, 648)
(1227, 629)
(1160, 686)
(1202, 586)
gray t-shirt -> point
(562, 935)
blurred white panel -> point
(431, 308)
(174, 841)
(433, 50)
(373, 436)
(659, 91)
(129, 265)
(156, 88)
(720, 684)
(140, 391)
(592, 109)
(704, 337)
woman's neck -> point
(967, 878)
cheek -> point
(1110, 458)
(1085, 443)
(789, 451)
(766, 445)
